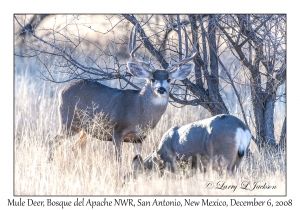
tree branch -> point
(146, 41)
(252, 33)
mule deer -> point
(220, 141)
(127, 110)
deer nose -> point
(161, 90)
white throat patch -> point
(160, 100)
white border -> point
(153, 6)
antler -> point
(186, 59)
(133, 49)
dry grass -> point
(96, 173)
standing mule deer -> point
(127, 110)
(220, 141)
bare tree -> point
(259, 41)
(229, 47)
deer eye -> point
(168, 80)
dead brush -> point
(98, 126)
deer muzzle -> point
(161, 90)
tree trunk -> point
(217, 104)
(269, 121)
(282, 140)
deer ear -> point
(138, 71)
(182, 72)
(155, 158)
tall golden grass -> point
(96, 172)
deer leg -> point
(67, 129)
(56, 142)
(53, 144)
(80, 145)
(236, 164)
(137, 148)
(117, 141)
(171, 165)
(195, 165)
(204, 163)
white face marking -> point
(164, 84)
(157, 84)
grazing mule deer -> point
(127, 110)
(220, 141)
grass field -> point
(96, 173)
